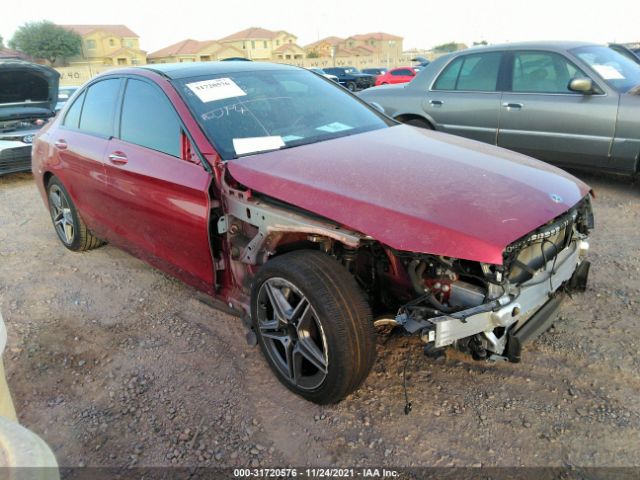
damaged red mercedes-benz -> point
(313, 216)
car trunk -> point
(27, 91)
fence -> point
(79, 74)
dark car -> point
(574, 104)
(64, 94)
(28, 96)
(313, 216)
(375, 71)
(352, 78)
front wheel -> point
(313, 324)
(351, 86)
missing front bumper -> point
(522, 316)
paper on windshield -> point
(216, 89)
(242, 146)
(608, 72)
(291, 138)
(334, 127)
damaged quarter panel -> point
(417, 190)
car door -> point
(543, 118)
(464, 99)
(80, 142)
(401, 75)
(159, 202)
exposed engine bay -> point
(490, 310)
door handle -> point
(118, 158)
(514, 106)
(61, 144)
(436, 103)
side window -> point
(149, 120)
(542, 72)
(447, 79)
(99, 106)
(403, 72)
(477, 72)
(72, 118)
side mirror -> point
(582, 85)
(377, 106)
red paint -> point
(389, 77)
(417, 190)
(409, 188)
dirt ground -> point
(115, 364)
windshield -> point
(249, 112)
(618, 71)
(351, 70)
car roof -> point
(548, 44)
(195, 69)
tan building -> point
(107, 45)
(263, 44)
(194, 51)
(324, 47)
(381, 45)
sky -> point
(423, 24)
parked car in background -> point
(28, 95)
(630, 53)
(570, 103)
(352, 78)
(301, 208)
(375, 71)
(64, 94)
(320, 71)
(396, 75)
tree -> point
(313, 54)
(1, 42)
(481, 42)
(46, 40)
(446, 47)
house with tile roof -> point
(324, 47)
(190, 50)
(108, 45)
(262, 44)
(378, 44)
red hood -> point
(417, 190)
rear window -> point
(99, 107)
(477, 72)
(72, 118)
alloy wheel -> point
(292, 333)
(61, 214)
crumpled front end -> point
(491, 311)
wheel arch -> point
(46, 178)
(404, 117)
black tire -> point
(417, 122)
(342, 319)
(79, 238)
(351, 86)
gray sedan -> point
(571, 103)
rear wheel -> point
(313, 325)
(69, 227)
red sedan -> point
(313, 216)
(396, 75)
